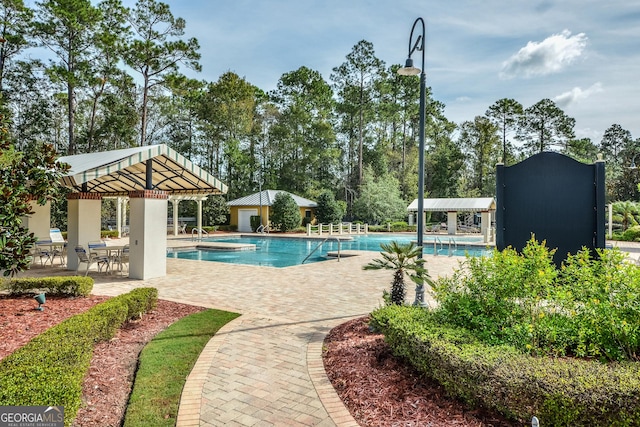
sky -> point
(582, 54)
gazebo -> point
(149, 177)
(485, 205)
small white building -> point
(486, 206)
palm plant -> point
(403, 258)
(626, 213)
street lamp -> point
(410, 70)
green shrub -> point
(588, 308)
(255, 222)
(632, 234)
(399, 226)
(61, 285)
(285, 213)
(111, 234)
(559, 392)
(50, 368)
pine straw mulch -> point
(380, 390)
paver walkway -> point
(265, 368)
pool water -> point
(287, 252)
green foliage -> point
(215, 210)
(402, 258)
(285, 213)
(558, 391)
(164, 365)
(24, 177)
(255, 222)
(632, 234)
(626, 214)
(61, 285)
(588, 308)
(379, 200)
(49, 369)
(328, 210)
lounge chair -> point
(90, 259)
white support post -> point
(175, 203)
(199, 219)
(148, 253)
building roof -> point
(480, 204)
(267, 198)
(118, 172)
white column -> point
(199, 219)
(39, 222)
(452, 222)
(148, 247)
(119, 216)
(175, 202)
(83, 223)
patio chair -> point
(122, 258)
(44, 252)
(96, 244)
(183, 228)
(89, 260)
(59, 245)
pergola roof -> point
(117, 172)
(267, 197)
(479, 204)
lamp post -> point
(410, 70)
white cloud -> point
(546, 57)
(576, 94)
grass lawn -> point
(164, 365)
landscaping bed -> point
(106, 387)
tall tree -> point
(308, 156)
(227, 109)
(66, 28)
(156, 51)
(354, 81)
(505, 114)
(14, 24)
(614, 141)
(108, 47)
(480, 142)
(544, 125)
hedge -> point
(62, 285)
(558, 391)
(49, 369)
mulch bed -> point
(380, 390)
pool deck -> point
(265, 367)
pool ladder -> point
(452, 243)
(318, 247)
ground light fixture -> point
(40, 299)
(410, 70)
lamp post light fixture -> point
(410, 70)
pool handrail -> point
(318, 247)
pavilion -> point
(148, 177)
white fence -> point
(331, 229)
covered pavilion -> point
(485, 205)
(148, 177)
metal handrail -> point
(455, 245)
(195, 231)
(318, 247)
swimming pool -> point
(287, 252)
